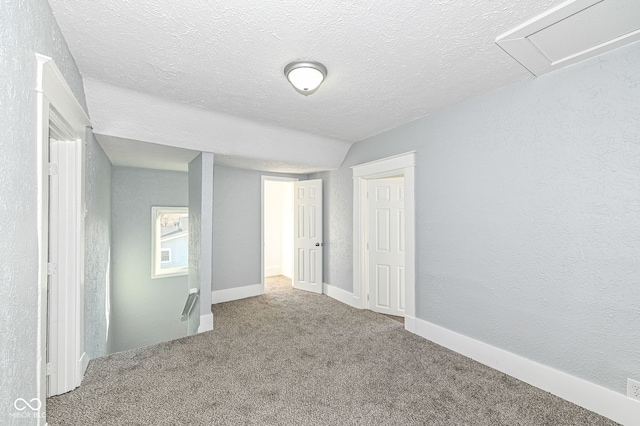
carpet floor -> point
(290, 357)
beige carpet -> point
(294, 358)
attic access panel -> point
(572, 32)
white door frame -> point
(52, 91)
(397, 165)
(262, 181)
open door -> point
(65, 349)
(307, 270)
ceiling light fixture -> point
(305, 76)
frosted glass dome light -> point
(305, 77)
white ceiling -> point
(135, 153)
(574, 31)
(388, 62)
(128, 153)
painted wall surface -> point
(97, 252)
(195, 237)
(206, 232)
(27, 27)
(287, 229)
(200, 234)
(527, 213)
(273, 226)
(278, 228)
(145, 311)
(236, 227)
(337, 188)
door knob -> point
(317, 244)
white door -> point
(386, 246)
(307, 245)
(64, 325)
(52, 276)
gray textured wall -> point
(97, 288)
(144, 311)
(337, 187)
(236, 226)
(528, 204)
(206, 231)
(26, 27)
(200, 233)
(195, 237)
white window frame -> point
(156, 258)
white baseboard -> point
(591, 396)
(270, 271)
(596, 398)
(229, 294)
(410, 324)
(206, 323)
(341, 295)
(83, 363)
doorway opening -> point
(277, 228)
(374, 180)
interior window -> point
(170, 243)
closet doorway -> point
(277, 227)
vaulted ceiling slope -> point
(142, 120)
(388, 62)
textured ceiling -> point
(389, 62)
(135, 153)
(128, 153)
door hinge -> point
(53, 169)
(49, 369)
(52, 268)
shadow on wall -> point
(144, 310)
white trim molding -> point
(596, 398)
(236, 293)
(397, 165)
(206, 322)
(410, 324)
(52, 91)
(340, 295)
(591, 396)
(156, 242)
